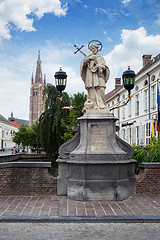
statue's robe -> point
(95, 73)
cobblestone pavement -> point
(79, 231)
(138, 205)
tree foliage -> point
(50, 129)
(150, 153)
(55, 124)
(26, 136)
(77, 101)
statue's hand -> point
(92, 57)
(89, 58)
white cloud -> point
(125, 2)
(16, 72)
(135, 43)
(21, 14)
(109, 39)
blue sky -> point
(127, 29)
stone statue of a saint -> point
(94, 73)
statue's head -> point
(94, 48)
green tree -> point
(34, 136)
(23, 136)
(50, 129)
(150, 153)
(77, 101)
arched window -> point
(145, 83)
(136, 88)
(153, 78)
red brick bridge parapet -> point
(26, 178)
(149, 178)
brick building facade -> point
(37, 100)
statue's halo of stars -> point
(98, 43)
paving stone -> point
(138, 205)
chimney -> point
(146, 59)
(117, 82)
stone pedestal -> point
(97, 165)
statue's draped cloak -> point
(91, 72)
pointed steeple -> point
(44, 79)
(32, 79)
(38, 77)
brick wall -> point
(20, 178)
(149, 178)
(30, 180)
(24, 157)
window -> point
(154, 97)
(137, 104)
(146, 100)
(137, 135)
(148, 134)
(118, 112)
(130, 135)
(145, 83)
(123, 111)
(130, 108)
(136, 88)
(123, 108)
(123, 134)
(153, 78)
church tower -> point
(37, 100)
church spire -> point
(44, 79)
(38, 77)
(32, 79)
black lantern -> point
(128, 79)
(60, 80)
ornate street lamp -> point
(60, 80)
(128, 77)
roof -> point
(108, 95)
(15, 124)
(4, 120)
(22, 121)
(148, 64)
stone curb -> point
(80, 219)
(18, 164)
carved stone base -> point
(101, 181)
(99, 167)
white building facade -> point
(7, 130)
(136, 117)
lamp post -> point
(60, 81)
(128, 77)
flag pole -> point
(158, 106)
